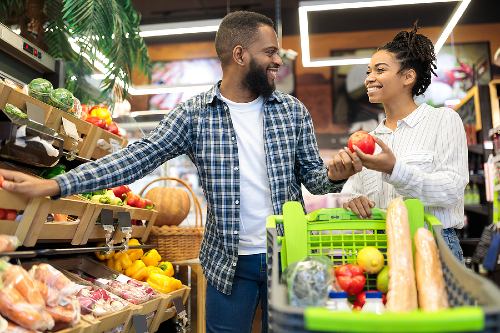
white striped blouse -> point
(431, 165)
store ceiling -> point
(154, 11)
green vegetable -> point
(99, 198)
(40, 89)
(59, 169)
(62, 99)
(14, 111)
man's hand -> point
(383, 161)
(29, 186)
(344, 165)
(361, 206)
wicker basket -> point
(176, 243)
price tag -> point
(124, 220)
(35, 113)
(70, 129)
(122, 278)
(107, 217)
(140, 323)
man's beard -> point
(256, 80)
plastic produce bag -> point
(308, 281)
(8, 243)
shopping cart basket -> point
(339, 234)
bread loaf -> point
(430, 281)
(402, 294)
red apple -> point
(363, 140)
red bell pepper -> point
(119, 191)
(350, 278)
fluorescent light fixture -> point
(315, 6)
(158, 89)
(134, 114)
(180, 28)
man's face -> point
(264, 62)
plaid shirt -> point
(201, 128)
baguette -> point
(402, 294)
(430, 281)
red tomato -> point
(132, 199)
(363, 141)
(113, 128)
(3, 214)
(141, 203)
(350, 278)
(10, 214)
(149, 204)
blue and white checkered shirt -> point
(201, 128)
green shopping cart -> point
(339, 235)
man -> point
(253, 147)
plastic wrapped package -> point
(8, 243)
(67, 313)
(40, 89)
(308, 281)
(14, 307)
(13, 328)
(58, 286)
(99, 302)
(21, 280)
(133, 291)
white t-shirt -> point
(255, 192)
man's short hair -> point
(238, 28)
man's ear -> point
(238, 55)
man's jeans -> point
(451, 238)
(234, 313)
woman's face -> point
(383, 81)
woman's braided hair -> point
(414, 51)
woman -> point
(422, 150)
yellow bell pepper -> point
(104, 255)
(136, 266)
(122, 261)
(151, 258)
(110, 263)
(163, 283)
(167, 268)
(134, 254)
(154, 269)
(141, 275)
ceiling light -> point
(180, 28)
(315, 6)
(156, 89)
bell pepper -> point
(350, 278)
(122, 261)
(134, 268)
(167, 268)
(163, 283)
(134, 254)
(104, 255)
(151, 258)
(141, 275)
(110, 263)
(154, 269)
(101, 112)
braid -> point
(414, 51)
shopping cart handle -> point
(341, 214)
(460, 319)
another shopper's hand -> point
(344, 165)
(27, 185)
(361, 206)
(383, 161)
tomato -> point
(97, 121)
(113, 128)
(10, 214)
(363, 141)
(119, 191)
(3, 214)
(132, 199)
(141, 203)
(350, 278)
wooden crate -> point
(150, 309)
(42, 231)
(19, 99)
(95, 231)
(29, 206)
(167, 310)
(85, 129)
(93, 148)
(81, 327)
